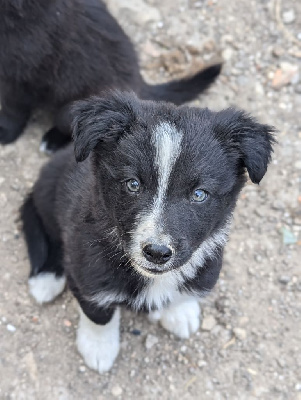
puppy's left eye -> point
(199, 195)
(133, 185)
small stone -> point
(278, 205)
(208, 323)
(136, 332)
(298, 387)
(11, 328)
(227, 54)
(116, 391)
(258, 258)
(82, 368)
(286, 74)
(284, 279)
(277, 51)
(240, 333)
(298, 164)
(288, 237)
(259, 88)
(281, 362)
(202, 363)
(289, 16)
(150, 341)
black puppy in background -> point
(53, 52)
(142, 219)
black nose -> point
(156, 253)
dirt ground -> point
(249, 344)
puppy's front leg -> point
(15, 112)
(98, 336)
(182, 318)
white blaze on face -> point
(167, 144)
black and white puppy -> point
(142, 219)
(53, 52)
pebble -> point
(240, 333)
(208, 323)
(289, 16)
(278, 205)
(286, 74)
(82, 368)
(278, 51)
(227, 54)
(258, 258)
(287, 236)
(298, 387)
(11, 328)
(202, 363)
(116, 391)
(259, 88)
(284, 279)
(150, 341)
(298, 164)
(138, 10)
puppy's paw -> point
(53, 140)
(10, 130)
(45, 287)
(181, 319)
(98, 344)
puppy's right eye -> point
(133, 185)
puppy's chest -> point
(156, 294)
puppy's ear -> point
(245, 137)
(101, 122)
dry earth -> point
(249, 345)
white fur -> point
(44, 149)
(105, 299)
(98, 344)
(45, 287)
(164, 288)
(181, 318)
(167, 143)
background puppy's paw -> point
(45, 287)
(182, 319)
(54, 140)
(10, 128)
(98, 344)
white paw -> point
(98, 344)
(45, 287)
(182, 319)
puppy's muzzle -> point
(157, 254)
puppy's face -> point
(169, 177)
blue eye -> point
(133, 185)
(199, 195)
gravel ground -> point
(248, 346)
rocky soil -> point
(249, 344)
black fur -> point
(53, 52)
(87, 209)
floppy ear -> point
(248, 139)
(101, 122)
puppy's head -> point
(168, 176)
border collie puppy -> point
(140, 216)
(53, 52)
